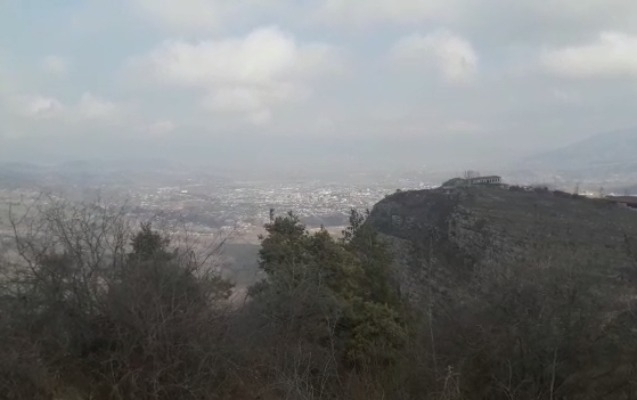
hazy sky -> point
(327, 82)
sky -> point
(318, 83)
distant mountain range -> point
(97, 173)
(607, 151)
(608, 159)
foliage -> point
(95, 317)
(95, 309)
(352, 303)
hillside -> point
(529, 294)
(441, 238)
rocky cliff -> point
(442, 239)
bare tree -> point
(106, 320)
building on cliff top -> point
(477, 180)
(485, 180)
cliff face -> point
(442, 239)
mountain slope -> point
(441, 238)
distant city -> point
(205, 205)
(237, 208)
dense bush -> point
(99, 312)
(92, 309)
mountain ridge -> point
(604, 150)
(444, 236)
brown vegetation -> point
(92, 309)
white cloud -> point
(452, 55)
(264, 56)
(188, 16)
(199, 15)
(260, 117)
(56, 65)
(398, 11)
(235, 99)
(252, 103)
(248, 75)
(594, 12)
(39, 107)
(554, 15)
(462, 126)
(565, 96)
(91, 107)
(7, 81)
(88, 107)
(180, 14)
(612, 54)
(161, 128)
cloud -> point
(565, 96)
(462, 126)
(364, 12)
(4, 80)
(91, 107)
(612, 54)
(161, 128)
(500, 16)
(584, 13)
(260, 117)
(199, 15)
(87, 108)
(182, 14)
(249, 75)
(39, 107)
(216, 66)
(263, 57)
(451, 54)
(56, 65)
(196, 16)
